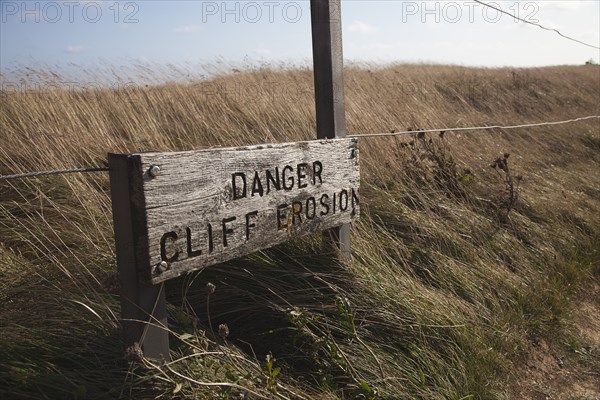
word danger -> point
(286, 178)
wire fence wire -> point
(368, 135)
(38, 174)
(52, 172)
(536, 24)
(474, 128)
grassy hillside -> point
(457, 265)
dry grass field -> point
(469, 270)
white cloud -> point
(361, 27)
(187, 29)
(383, 46)
(263, 51)
(74, 49)
(561, 5)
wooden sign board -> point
(193, 209)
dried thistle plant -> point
(511, 184)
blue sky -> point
(34, 33)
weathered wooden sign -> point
(193, 209)
(178, 212)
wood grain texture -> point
(328, 67)
(198, 212)
(143, 306)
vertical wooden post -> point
(143, 311)
(328, 65)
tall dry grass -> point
(446, 287)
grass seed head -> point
(211, 287)
(223, 331)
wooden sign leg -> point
(328, 64)
(143, 311)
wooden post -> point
(328, 68)
(143, 311)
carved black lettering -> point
(211, 245)
(275, 181)
(296, 211)
(226, 230)
(276, 192)
(324, 199)
(289, 179)
(249, 225)
(311, 208)
(163, 247)
(355, 201)
(302, 175)
(282, 217)
(190, 252)
(257, 187)
(317, 170)
(343, 200)
(234, 187)
(334, 201)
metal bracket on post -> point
(143, 305)
(328, 64)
